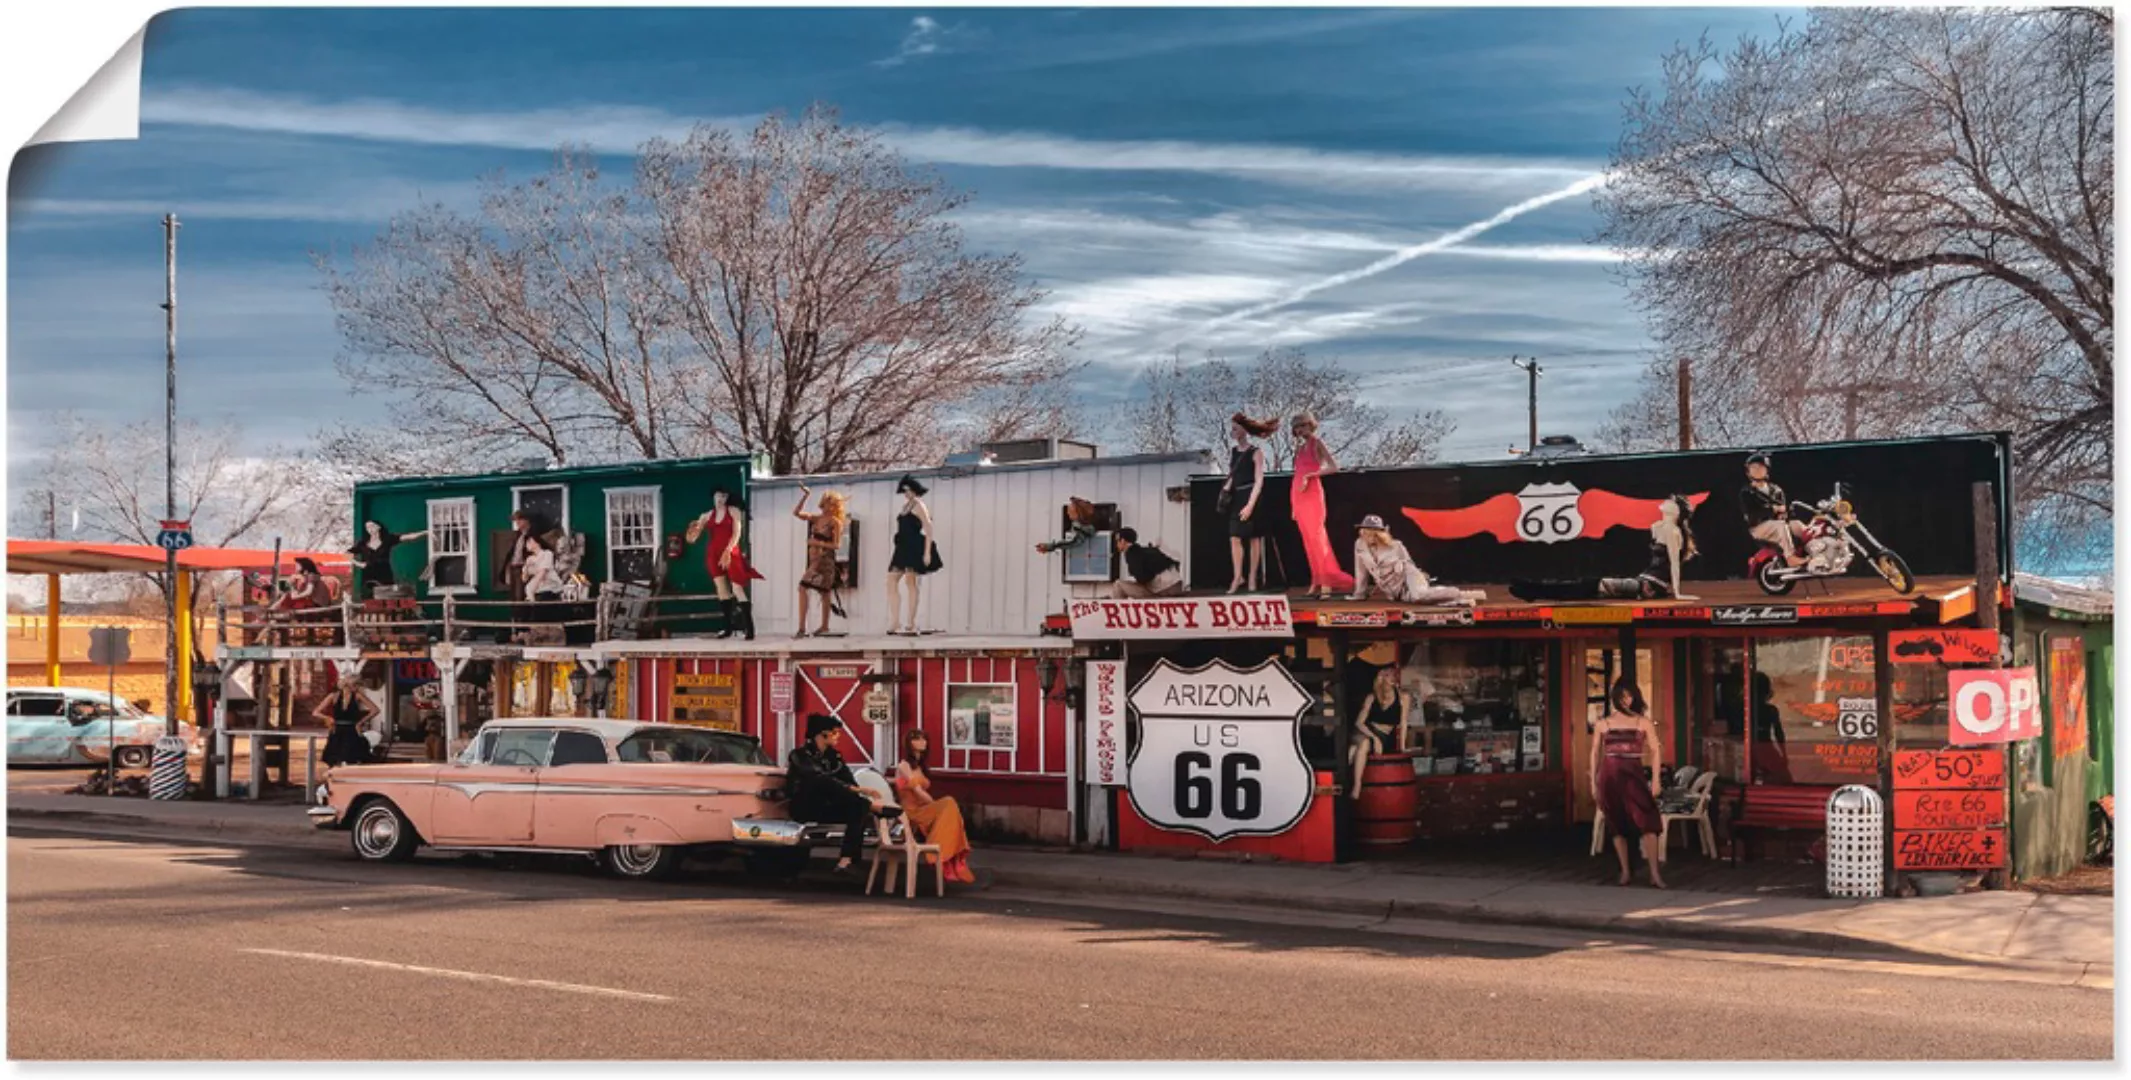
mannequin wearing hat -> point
(821, 789)
(726, 522)
(916, 554)
(1382, 565)
(1768, 510)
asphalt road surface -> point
(123, 948)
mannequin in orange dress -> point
(938, 820)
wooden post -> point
(1883, 710)
(1686, 406)
(1985, 498)
(52, 630)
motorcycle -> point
(1833, 539)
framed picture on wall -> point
(981, 716)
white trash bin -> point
(1857, 843)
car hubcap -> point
(637, 859)
(378, 832)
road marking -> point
(471, 976)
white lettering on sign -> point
(1106, 723)
(1145, 620)
(1220, 750)
(1995, 706)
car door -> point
(573, 792)
(38, 730)
(488, 802)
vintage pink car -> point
(638, 796)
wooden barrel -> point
(1390, 799)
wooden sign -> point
(707, 699)
(1948, 809)
(1949, 770)
(1974, 849)
(1352, 619)
(1943, 645)
(1592, 616)
(837, 671)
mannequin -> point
(825, 533)
(916, 554)
(1239, 500)
(373, 555)
(1382, 564)
(726, 522)
(1313, 462)
(1671, 544)
(1379, 725)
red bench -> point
(1779, 806)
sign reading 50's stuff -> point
(1220, 750)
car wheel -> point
(778, 863)
(643, 862)
(382, 834)
(133, 757)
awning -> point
(68, 557)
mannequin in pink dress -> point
(1313, 461)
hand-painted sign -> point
(781, 691)
(1591, 616)
(1354, 620)
(1949, 809)
(1943, 645)
(1941, 770)
(2068, 696)
(1972, 849)
(1993, 706)
(1543, 514)
(1153, 620)
(707, 699)
(1106, 723)
(1220, 750)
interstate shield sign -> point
(1220, 750)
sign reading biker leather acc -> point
(1156, 620)
(1220, 750)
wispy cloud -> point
(929, 37)
(620, 129)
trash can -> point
(1857, 843)
(167, 778)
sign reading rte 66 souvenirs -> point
(1220, 750)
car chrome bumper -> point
(768, 832)
(322, 817)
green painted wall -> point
(684, 492)
(2052, 784)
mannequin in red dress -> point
(729, 571)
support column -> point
(52, 628)
(182, 707)
(1883, 708)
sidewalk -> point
(2012, 928)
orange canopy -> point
(68, 557)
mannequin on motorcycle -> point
(1768, 511)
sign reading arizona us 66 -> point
(1220, 753)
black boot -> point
(726, 605)
(747, 620)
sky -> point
(1402, 191)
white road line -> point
(471, 976)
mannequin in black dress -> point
(916, 554)
(1239, 500)
(346, 709)
(373, 555)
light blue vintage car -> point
(62, 725)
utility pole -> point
(1686, 407)
(1531, 368)
(170, 466)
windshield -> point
(691, 745)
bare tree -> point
(1889, 222)
(798, 290)
(1187, 406)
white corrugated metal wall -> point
(987, 522)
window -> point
(521, 747)
(665, 744)
(1095, 560)
(477, 751)
(451, 546)
(549, 504)
(1473, 706)
(36, 705)
(981, 716)
(578, 748)
(632, 534)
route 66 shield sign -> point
(1547, 513)
(1220, 750)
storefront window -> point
(1481, 706)
(980, 716)
(1718, 708)
(1815, 708)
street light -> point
(577, 685)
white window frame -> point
(472, 552)
(947, 713)
(1103, 541)
(518, 500)
(658, 524)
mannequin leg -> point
(910, 622)
(747, 611)
(805, 596)
(1360, 755)
(723, 586)
(1651, 859)
(1620, 851)
(1257, 563)
(895, 600)
(1235, 559)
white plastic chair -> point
(901, 852)
(1700, 792)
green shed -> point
(2066, 633)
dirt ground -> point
(2091, 880)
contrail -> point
(1406, 255)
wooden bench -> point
(1779, 806)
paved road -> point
(307, 954)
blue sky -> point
(1203, 178)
